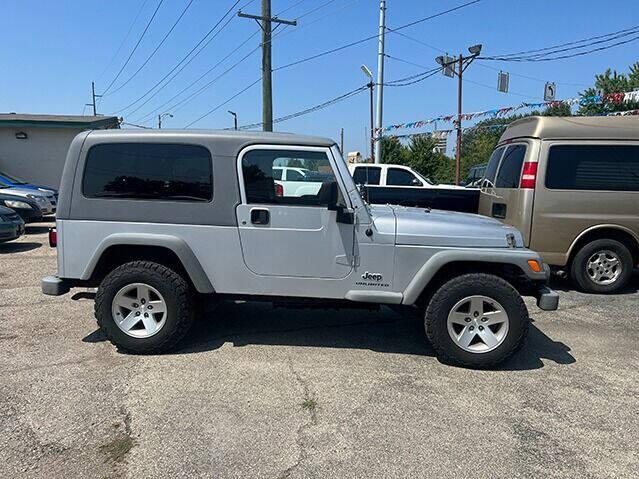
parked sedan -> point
(11, 225)
(9, 180)
(27, 208)
(45, 199)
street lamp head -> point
(475, 49)
(367, 71)
(440, 60)
(231, 112)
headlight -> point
(17, 204)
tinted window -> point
(593, 167)
(491, 169)
(277, 173)
(148, 171)
(399, 177)
(510, 169)
(258, 172)
(367, 175)
(294, 175)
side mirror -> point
(329, 194)
(416, 182)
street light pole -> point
(380, 80)
(160, 119)
(234, 119)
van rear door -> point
(509, 195)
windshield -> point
(427, 180)
(12, 179)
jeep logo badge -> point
(372, 276)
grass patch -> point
(309, 404)
(118, 447)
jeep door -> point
(288, 234)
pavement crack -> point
(309, 405)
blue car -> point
(12, 181)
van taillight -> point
(279, 190)
(529, 175)
(53, 237)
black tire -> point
(578, 268)
(454, 291)
(177, 295)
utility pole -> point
(341, 141)
(93, 97)
(380, 81)
(265, 21)
(370, 85)
(462, 63)
(234, 119)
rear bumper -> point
(54, 286)
(547, 299)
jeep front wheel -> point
(144, 307)
(476, 320)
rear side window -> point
(593, 167)
(150, 171)
(491, 169)
(399, 177)
(367, 175)
(510, 169)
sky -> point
(54, 50)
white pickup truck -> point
(401, 185)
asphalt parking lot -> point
(274, 393)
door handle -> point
(260, 216)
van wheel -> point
(144, 307)
(476, 320)
(602, 266)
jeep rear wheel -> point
(144, 307)
(476, 320)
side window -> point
(294, 175)
(277, 173)
(510, 169)
(149, 171)
(491, 169)
(260, 187)
(400, 177)
(367, 175)
(593, 167)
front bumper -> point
(54, 286)
(547, 299)
(11, 231)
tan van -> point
(571, 186)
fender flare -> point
(177, 245)
(440, 259)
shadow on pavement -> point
(382, 331)
(36, 230)
(567, 285)
(6, 248)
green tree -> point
(393, 151)
(558, 109)
(610, 82)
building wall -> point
(38, 159)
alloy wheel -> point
(604, 267)
(478, 324)
(139, 310)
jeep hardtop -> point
(156, 219)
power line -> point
(191, 96)
(225, 102)
(156, 48)
(134, 48)
(202, 40)
(570, 43)
(366, 39)
(117, 52)
(312, 109)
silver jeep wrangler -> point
(155, 219)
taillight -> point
(279, 190)
(53, 237)
(529, 175)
